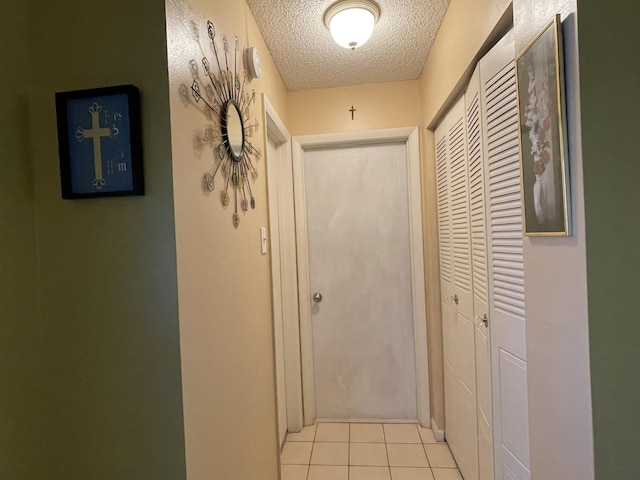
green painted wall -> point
(89, 344)
(609, 70)
(20, 339)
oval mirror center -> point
(235, 133)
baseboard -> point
(437, 433)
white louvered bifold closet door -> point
(456, 287)
(479, 264)
(505, 260)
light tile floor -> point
(366, 451)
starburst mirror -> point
(228, 105)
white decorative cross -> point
(96, 133)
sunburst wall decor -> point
(229, 136)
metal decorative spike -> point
(195, 90)
(244, 205)
(253, 203)
(234, 179)
(224, 198)
(236, 220)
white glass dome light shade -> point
(351, 22)
(351, 28)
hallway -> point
(366, 451)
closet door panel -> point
(443, 187)
(457, 278)
(461, 246)
(479, 264)
(505, 260)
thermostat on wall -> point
(252, 62)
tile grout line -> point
(386, 449)
(313, 444)
(349, 455)
(424, 449)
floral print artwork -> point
(540, 127)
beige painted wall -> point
(468, 29)
(20, 342)
(445, 74)
(380, 105)
(224, 286)
(110, 396)
(558, 375)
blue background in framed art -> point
(99, 132)
(100, 142)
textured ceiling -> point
(308, 58)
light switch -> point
(263, 240)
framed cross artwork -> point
(99, 139)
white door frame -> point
(285, 243)
(410, 137)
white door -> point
(359, 253)
(457, 299)
(505, 260)
(479, 256)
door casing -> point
(280, 187)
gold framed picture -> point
(543, 134)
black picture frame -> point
(100, 142)
(543, 134)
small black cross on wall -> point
(352, 110)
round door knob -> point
(317, 297)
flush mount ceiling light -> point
(351, 22)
